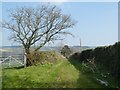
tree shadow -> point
(77, 63)
(74, 60)
(18, 67)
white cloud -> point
(57, 2)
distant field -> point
(17, 51)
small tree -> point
(66, 51)
(38, 26)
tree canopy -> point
(37, 26)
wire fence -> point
(12, 58)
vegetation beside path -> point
(62, 74)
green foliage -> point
(66, 51)
(89, 66)
(92, 73)
(107, 57)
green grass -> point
(47, 75)
(62, 75)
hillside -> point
(61, 74)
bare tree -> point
(38, 26)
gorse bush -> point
(43, 57)
(34, 57)
(89, 67)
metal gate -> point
(12, 58)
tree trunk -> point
(28, 60)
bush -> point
(66, 51)
(89, 67)
(107, 57)
(45, 57)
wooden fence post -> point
(25, 60)
(9, 58)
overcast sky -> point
(97, 22)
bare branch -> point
(38, 25)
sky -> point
(97, 22)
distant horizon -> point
(58, 46)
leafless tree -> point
(38, 26)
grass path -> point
(63, 74)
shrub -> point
(45, 57)
(66, 51)
(89, 66)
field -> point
(62, 74)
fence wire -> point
(12, 57)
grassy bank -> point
(62, 74)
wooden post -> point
(25, 60)
(80, 46)
(9, 61)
